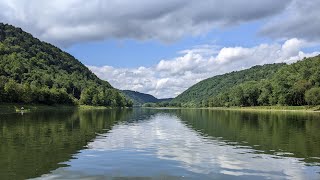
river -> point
(160, 144)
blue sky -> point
(130, 53)
(164, 47)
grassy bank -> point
(14, 108)
(254, 108)
(86, 107)
(273, 108)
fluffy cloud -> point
(65, 22)
(169, 78)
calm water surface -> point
(160, 144)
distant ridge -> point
(141, 98)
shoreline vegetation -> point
(272, 108)
(252, 108)
(27, 108)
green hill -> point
(32, 71)
(141, 98)
(274, 84)
(211, 87)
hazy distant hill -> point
(142, 98)
(32, 71)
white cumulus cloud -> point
(171, 77)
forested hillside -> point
(277, 84)
(141, 98)
(32, 71)
(202, 91)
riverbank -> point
(272, 108)
(254, 108)
(14, 108)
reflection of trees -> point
(34, 144)
(297, 133)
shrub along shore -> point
(248, 108)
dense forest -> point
(294, 84)
(211, 87)
(140, 99)
(32, 71)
